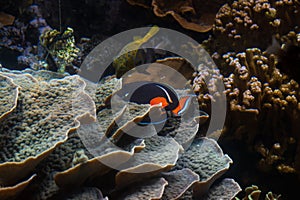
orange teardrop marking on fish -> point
(181, 105)
(159, 100)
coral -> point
(173, 71)
(9, 94)
(13, 37)
(62, 158)
(159, 154)
(251, 23)
(61, 46)
(45, 113)
(152, 189)
(262, 94)
(263, 104)
(196, 15)
(104, 150)
(291, 37)
(69, 155)
(86, 193)
(21, 35)
(178, 182)
(13, 191)
(39, 75)
(101, 129)
(180, 65)
(37, 24)
(139, 155)
(185, 133)
(257, 92)
(6, 19)
(205, 158)
(207, 78)
(32, 54)
(253, 193)
(102, 91)
(226, 189)
(143, 3)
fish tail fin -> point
(154, 29)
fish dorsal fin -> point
(135, 38)
(138, 41)
(154, 29)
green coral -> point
(61, 46)
(253, 193)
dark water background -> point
(111, 18)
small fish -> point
(152, 93)
(127, 56)
(157, 94)
(183, 105)
(288, 58)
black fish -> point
(156, 94)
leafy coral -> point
(40, 122)
(191, 14)
(73, 161)
(9, 93)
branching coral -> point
(262, 98)
(20, 36)
(253, 193)
(251, 23)
(264, 107)
(12, 36)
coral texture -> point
(246, 24)
(9, 93)
(78, 147)
(196, 15)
